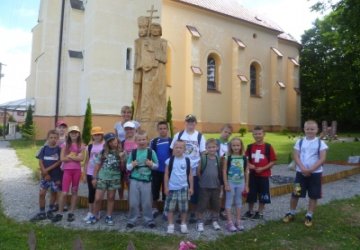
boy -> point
(222, 143)
(49, 162)
(140, 163)
(178, 186)
(309, 155)
(161, 146)
(261, 158)
(195, 145)
(209, 173)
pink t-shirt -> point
(74, 149)
(129, 146)
(95, 150)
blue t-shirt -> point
(49, 156)
(163, 151)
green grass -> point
(336, 226)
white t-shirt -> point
(309, 152)
(121, 131)
(193, 149)
(178, 178)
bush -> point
(242, 132)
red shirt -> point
(258, 158)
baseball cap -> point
(129, 124)
(61, 123)
(190, 118)
(97, 131)
(74, 128)
(109, 137)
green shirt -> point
(110, 167)
(142, 172)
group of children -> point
(215, 174)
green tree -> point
(132, 110)
(86, 133)
(330, 67)
(169, 117)
(28, 129)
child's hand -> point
(251, 166)
(246, 189)
(134, 163)
(47, 177)
(191, 191)
(166, 191)
(149, 163)
(259, 170)
(227, 187)
(93, 182)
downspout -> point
(59, 63)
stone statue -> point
(150, 74)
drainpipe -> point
(59, 63)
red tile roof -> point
(234, 9)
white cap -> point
(129, 124)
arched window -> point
(211, 73)
(254, 79)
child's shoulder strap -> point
(154, 143)
(90, 146)
(267, 151)
(180, 134)
(203, 163)
(133, 154)
(199, 136)
(171, 163)
(149, 154)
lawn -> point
(337, 226)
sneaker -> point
(258, 216)
(87, 217)
(222, 215)
(109, 220)
(192, 218)
(170, 229)
(65, 208)
(200, 227)
(57, 218)
(248, 215)
(239, 227)
(155, 213)
(230, 227)
(308, 221)
(91, 220)
(151, 224)
(55, 208)
(129, 226)
(38, 217)
(71, 217)
(216, 225)
(288, 218)
(184, 229)
(49, 214)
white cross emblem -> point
(257, 156)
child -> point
(235, 174)
(161, 146)
(93, 150)
(61, 127)
(209, 174)
(140, 163)
(107, 175)
(72, 154)
(178, 186)
(195, 145)
(126, 114)
(309, 155)
(49, 162)
(261, 158)
(222, 142)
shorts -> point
(177, 197)
(195, 196)
(310, 184)
(157, 185)
(54, 186)
(108, 184)
(209, 196)
(259, 189)
(71, 177)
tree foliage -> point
(28, 130)
(330, 67)
(86, 133)
(169, 117)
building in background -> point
(225, 63)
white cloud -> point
(15, 51)
(26, 12)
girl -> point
(236, 177)
(107, 175)
(93, 150)
(72, 154)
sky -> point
(18, 17)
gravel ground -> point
(19, 194)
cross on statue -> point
(151, 17)
(257, 156)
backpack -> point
(188, 167)
(228, 165)
(204, 164)
(89, 148)
(148, 156)
(198, 137)
(267, 151)
(319, 145)
(155, 142)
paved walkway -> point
(19, 196)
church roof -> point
(287, 36)
(233, 9)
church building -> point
(225, 64)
